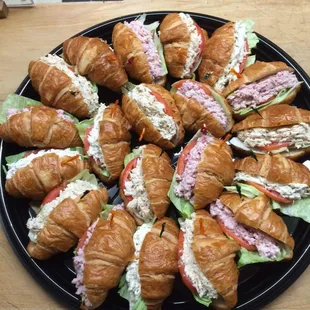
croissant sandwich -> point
(286, 182)
(183, 42)
(205, 165)
(227, 53)
(261, 233)
(107, 141)
(144, 183)
(261, 85)
(199, 104)
(65, 215)
(152, 113)
(280, 129)
(140, 51)
(34, 174)
(150, 276)
(206, 261)
(102, 255)
(95, 59)
(59, 86)
(27, 122)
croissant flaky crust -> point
(107, 254)
(67, 223)
(216, 54)
(257, 213)
(157, 176)
(40, 127)
(175, 37)
(95, 59)
(43, 174)
(140, 122)
(215, 170)
(158, 263)
(215, 255)
(275, 168)
(56, 89)
(114, 139)
(274, 116)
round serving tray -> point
(258, 284)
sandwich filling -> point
(72, 190)
(191, 90)
(154, 111)
(186, 181)
(264, 90)
(132, 271)
(192, 269)
(265, 245)
(194, 50)
(23, 162)
(149, 47)
(79, 264)
(296, 136)
(85, 87)
(290, 191)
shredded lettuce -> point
(129, 157)
(206, 301)
(82, 126)
(282, 95)
(84, 175)
(246, 190)
(106, 211)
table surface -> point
(28, 33)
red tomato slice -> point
(159, 98)
(181, 266)
(185, 152)
(271, 194)
(245, 58)
(53, 194)
(203, 41)
(87, 132)
(242, 242)
(273, 146)
(179, 84)
(126, 173)
(82, 241)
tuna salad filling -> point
(154, 111)
(257, 93)
(134, 187)
(236, 58)
(85, 87)
(265, 245)
(132, 271)
(193, 51)
(193, 91)
(186, 181)
(23, 162)
(73, 190)
(79, 263)
(149, 47)
(296, 136)
(192, 269)
(291, 191)
(95, 150)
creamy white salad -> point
(23, 162)
(154, 111)
(85, 87)
(73, 190)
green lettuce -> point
(245, 189)
(82, 126)
(106, 211)
(14, 101)
(84, 175)
(282, 95)
(250, 60)
(251, 36)
(129, 157)
(75, 120)
(128, 87)
(218, 98)
(206, 301)
(160, 50)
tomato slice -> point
(271, 194)
(82, 240)
(245, 57)
(182, 158)
(181, 266)
(242, 242)
(160, 98)
(273, 146)
(203, 41)
(53, 194)
(125, 175)
(87, 132)
(179, 84)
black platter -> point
(258, 284)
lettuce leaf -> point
(299, 208)
(106, 211)
(82, 126)
(14, 101)
(245, 189)
(76, 121)
(250, 60)
(184, 207)
(251, 36)
(250, 257)
(160, 50)
(206, 301)
(128, 87)
(135, 153)
(84, 175)
(218, 98)
(282, 95)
